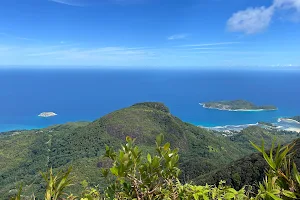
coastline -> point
(18, 127)
(293, 129)
(288, 120)
(237, 110)
(229, 125)
(240, 127)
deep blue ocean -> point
(80, 95)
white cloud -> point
(177, 37)
(254, 20)
(250, 21)
(287, 4)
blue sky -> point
(150, 33)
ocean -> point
(85, 95)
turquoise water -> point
(89, 94)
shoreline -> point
(293, 129)
(225, 127)
(240, 127)
(229, 125)
(237, 110)
(288, 120)
(16, 127)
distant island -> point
(236, 105)
(47, 114)
(295, 119)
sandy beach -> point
(293, 129)
(288, 120)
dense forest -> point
(132, 174)
(23, 154)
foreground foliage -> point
(135, 176)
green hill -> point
(24, 153)
(248, 170)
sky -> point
(149, 33)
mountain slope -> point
(83, 144)
(248, 170)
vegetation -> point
(24, 153)
(249, 170)
(134, 175)
(237, 105)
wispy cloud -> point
(75, 55)
(69, 2)
(210, 44)
(17, 37)
(255, 20)
(205, 48)
(177, 37)
(5, 48)
(115, 54)
(85, 3)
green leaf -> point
(166, 146)
(149, 158)
(196, 196)
(256, 147)
(114, 171)
(269, 160)
(296, 173)
(229, 196)
(289, 194)
(128, 139)
(233, 191)
(273, 196)
(159, 139)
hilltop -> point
(24, 153)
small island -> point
(295, 119)
(47, 114)
(237, 105)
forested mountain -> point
(24, 153)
